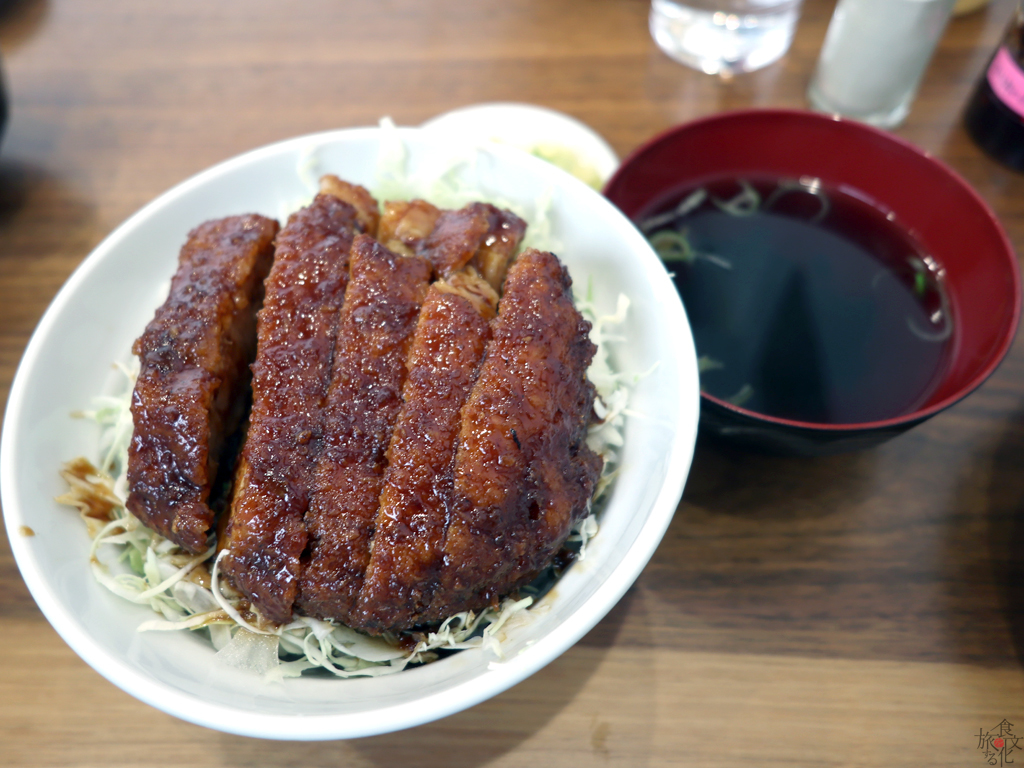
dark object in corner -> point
(3, 104)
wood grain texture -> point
(859, 610)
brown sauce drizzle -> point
(90, 491)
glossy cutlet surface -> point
(407, 557)
(265, 535)
(375, 333)
(523, 472)
(194, 357)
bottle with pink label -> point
(995, 112)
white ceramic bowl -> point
(108, 300)
(527, 127)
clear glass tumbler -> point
(874, 56)
(724, 36)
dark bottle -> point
(995, 112)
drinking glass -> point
(724, 36)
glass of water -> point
(724, 37)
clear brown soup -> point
(807, 303)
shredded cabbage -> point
(186, 591)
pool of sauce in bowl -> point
(807, 303)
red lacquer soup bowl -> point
(930, 201)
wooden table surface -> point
(859, 610)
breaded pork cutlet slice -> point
(407, 553)
(375, 332)
(478, 235)
(366, 206)
(523, 472)
(504, 235)
(265, 534)
(194, 367)
(404, 225)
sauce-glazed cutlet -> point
(194, 367)
(478, 235)
(523, 472)
(375, 332)
(297, 328)
(504, 234)
(451, 334)
(404, 225)
(365, 205)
